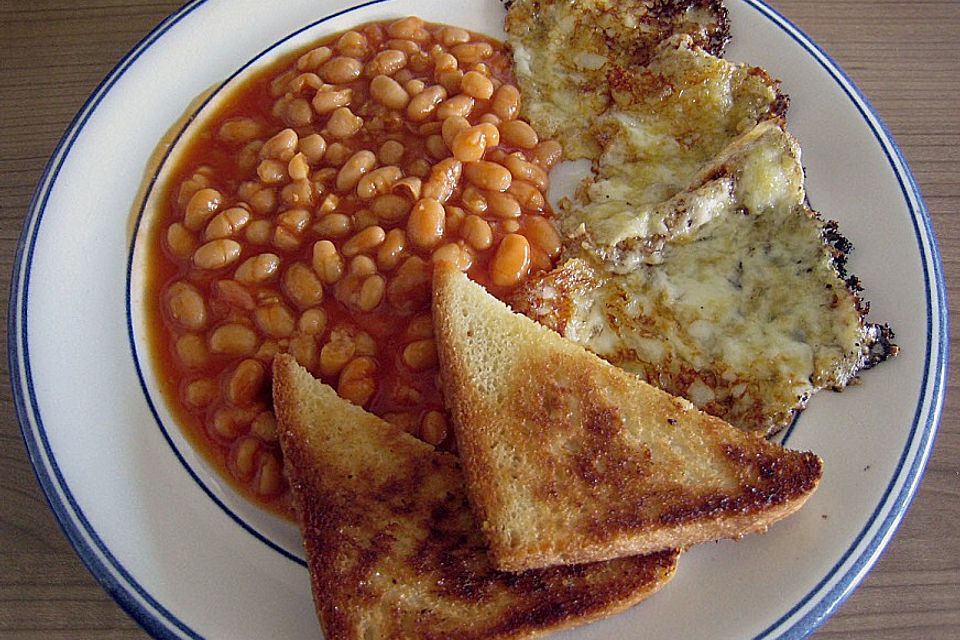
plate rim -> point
(161, 623)
(867, 556)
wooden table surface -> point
(904, 55)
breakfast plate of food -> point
(410, 320)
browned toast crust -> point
(393, 548)
(570, 459)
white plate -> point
(187, 557)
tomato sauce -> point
(218, 385)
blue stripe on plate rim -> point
(800, 621)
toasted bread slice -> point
(393, 548)
(570, 459)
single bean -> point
(313, 147)
(281, 146)
(547, 154)
(333, 225)
(353, 44)
(274, 320)
(390, 207)
(335, 354)
(364, 242)
(340, 70)
(258, 269)
(201, 207)
(233, 294)
(450, 36)
(243, 457)
(355, 168)
(391, 152)
(425, 103)
(233, 339)
(543, 235)
(326, 101)
(245, 382)
(239, 130)
(312, 322)
(343, 123)
(488, 175)
(420, 355)
(436, 147)
(527, 195)
(298, 113)
(502, 205)
(327, 262)
(471, 52)
(357, 383)
(216, 254)
(523, 170)
(264, 426)
(192, 351)
(420, 327)
(453, 218)
(388, 92)
(425, 226)
(302, 285)
(313, 59)
(410, 188)
(409, 288)
(392, 250)
(454, 254)
(476, 232)
(303, 348)
(258, 232)
(272, 171)
(180, 240)
(371, 292)
(433, 428)
(227, 223)
(387, 62)
(377, 182)
(506, 102)
(269, 479)
(518, 133)
(511, 262)
(469, 145)
(409, 28)
(201, 393)
(460, 105)
(443, 179)
(476, 85)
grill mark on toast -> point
(394, 548)
(627, 468)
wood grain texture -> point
(905, 56)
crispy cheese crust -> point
(693, 259)
(737, 301)
(564, 51)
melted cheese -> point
(692, 258)
(744, 315)
(748, 310)
(626, 234)
(564, 51)
(673, 116)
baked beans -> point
(308, 216)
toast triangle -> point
(393, 548)
(569, 459)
